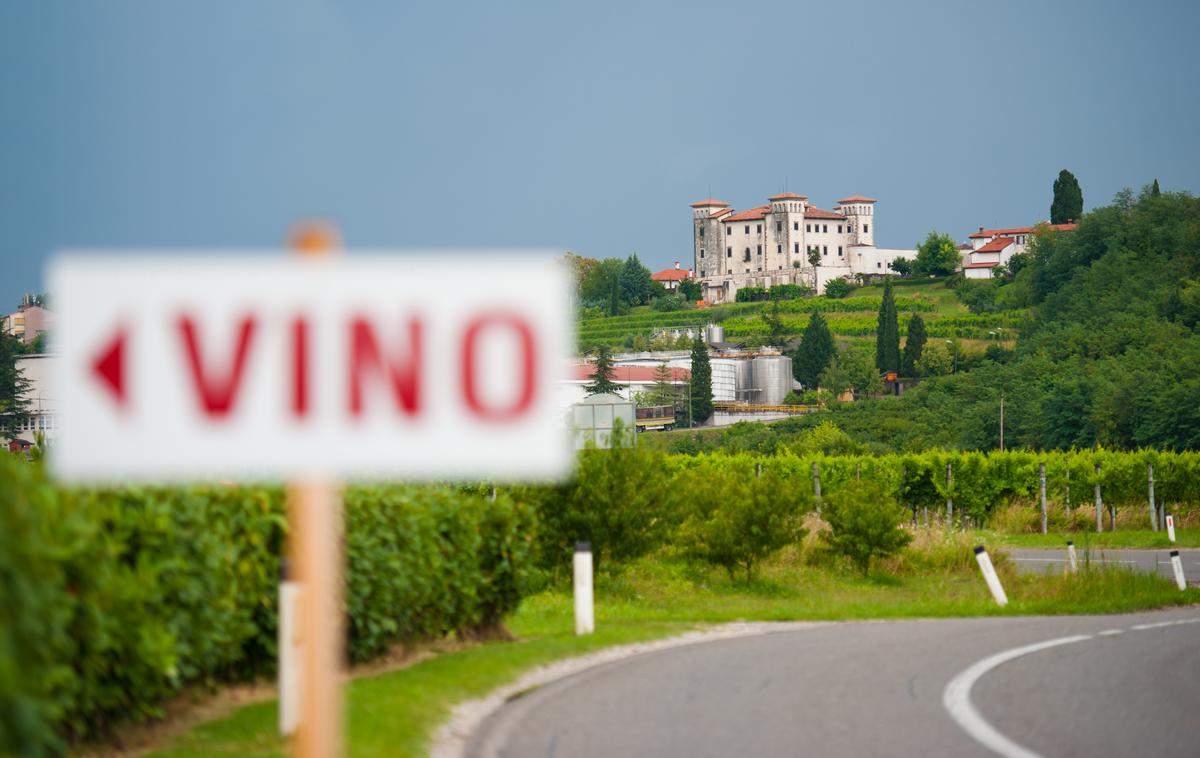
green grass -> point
(1144, 539)
(396, 713)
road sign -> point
(257, 367)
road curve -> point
(1117, 685)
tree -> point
(864, 523)
(1068, 199)
(838, 288)
(701, 382)
(776, 329)
(814, 260)
(690, 289)
(887, 332)
(902, 266)
(914, 343)
(597, 282)
(814, 353)
(602, 376)
(664, 390)
(14, 387)
(580, 268)
(936, 360)
(979, 295)
(1154, 190)
(635, 282)
(936, 256)
(851, 370)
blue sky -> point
(582, 127)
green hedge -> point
(111, 601)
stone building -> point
(777, 243)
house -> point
(27, 322)
(992, 248)
(632, 378)
(671, 277)
(786, 241)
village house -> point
(992, 248)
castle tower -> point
(860, 216)
(787, 229)
(706, 237)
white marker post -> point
(1178, 566)
(585, 619)
(289, 651)
(1071, 557)
(989, 575)
(1171, 528)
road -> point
(1149, 561)
(1089, 686)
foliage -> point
(668, 303)
(14, 387)
(864, 523)
(776, 328)
(936, 256)
(735, 519)
(599, 280)
(701, 383)
(635, 282)
(751, 294)
(690, 290)
(902, 266)
(814, 353)
(1067, 204)
(791, 398)
(914, 344)
(979, 295)
(602, 374)
(851, 370)
(936, 360)
(887, 332)
(838, 288)
(788, 291)
(114, 600)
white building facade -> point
(777, 242)
(993, 248)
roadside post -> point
(949, 497)
(1042, 486)
(1099, 503)
(989, 576)
(1153, 509)
(311, 368)
(585, 619)
(1177, 564)
(1171, 528)
(1071, 557)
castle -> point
(787, 241)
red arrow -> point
(109, 366)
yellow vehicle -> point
(655, 417)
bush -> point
(668, 303)
(864, 523)
(788, 291)
(114, 600)
(751, 294)
(735, 519)
(838, 288)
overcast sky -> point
(588, 127)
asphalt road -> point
(1149, 561)
(1088, 686)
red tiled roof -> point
(627, 374)
(788, 196)
(811, 212)
(750, 215)
(1020, 230)
(709, 203)
(996, 245)
(993, 264)
(856, 199)
(672, 275)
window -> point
(759, 229)
(825, 228)
(729, 230)
(878, 264)
(866, 228)
(808, 227)
(760, 268)
(702, 232)
(839, 228)
(759, 251)
(797, 249)
(747, 228)
(747, 256)
(826, 252)
(795, 226)
(839, 251)
(701, 252)
(729, 252)
(778, 226)
(779, 249)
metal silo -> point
(716, 333)
(771, 376)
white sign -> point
(260, 367)
(1170, 527)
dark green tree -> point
(1154, 190)
(14, 387)
(1068, 199)
(914, 345)
(776, 329)
(635, 282)
(936, 256)
(815, 352)
(602, 376)
(701, 382)
(902, 266)
(887, 332)
(690, 289)
(597, 279)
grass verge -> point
(396, 713)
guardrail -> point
(794, 410)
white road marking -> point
(956, 698)
(1063, 560)
(1109, 632)
(1165, 623)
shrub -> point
(751, 294)
(838, 288)
(736, 519)
(864, 523)
(111, 601)
(668, 303)
(788, 291)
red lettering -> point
(403, 374)
(216, 395)
(528, 359)
(300, 367)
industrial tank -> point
(771, 376)
(716, 333)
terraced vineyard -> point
(852, 317)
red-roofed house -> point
(991, 248)
(671, 277)
(774, 244)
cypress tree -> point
(1154, 190)
(815, 352)
(887, 333)
(701, 382)
(1068, 199)
(602, 377)
(914, 345)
